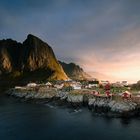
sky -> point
(102, 36)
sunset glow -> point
(102, 37)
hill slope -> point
(74, 71)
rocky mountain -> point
(74, 71)
(9, 55)
(32, 60)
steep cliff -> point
(32, 59)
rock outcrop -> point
(111, 107)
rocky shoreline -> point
(102, 105)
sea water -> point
(29, 121)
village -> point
(111, 98)
(93, 87)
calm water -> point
(28, 121)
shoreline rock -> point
(106, 106)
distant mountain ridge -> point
(32, 59)
(75, 71)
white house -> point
(48, 84)
(93, 83)
(76, 85)
(31, 85)
(18, 87)
(124, 83)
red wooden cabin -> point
(107, 87)
(108, 94)
(126, 95)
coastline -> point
(112, 107)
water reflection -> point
(125, 121)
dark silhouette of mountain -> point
(31, 60)
(9, 55)
(74, 71)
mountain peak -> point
(31, 36)
(35, 42)
(34, 57)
